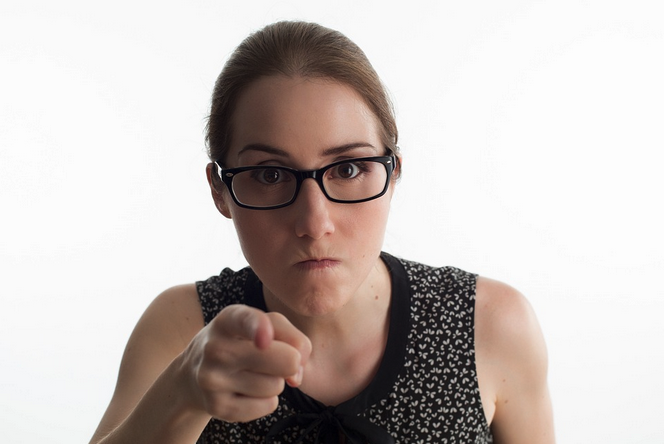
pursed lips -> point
(317, 264)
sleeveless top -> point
(426, 386)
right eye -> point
(268, 176)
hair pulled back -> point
(295, 49)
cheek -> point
(249, 227)
(367, 222)
(257, 233)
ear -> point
(396, 174)
(217, 188)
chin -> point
(320, 305)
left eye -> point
(347, 170)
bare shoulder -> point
(504, 317)
(175, 314)
(162, 333)
(165, 329)
(512, 365)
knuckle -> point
(292, 364)
(230, 313)
(208, 380)
(276, 387)
(276, 316)
(246, 319)
(243, 317)
(214, 369)
(212, 349)
(304, 346)
(205, 381)
(272, 404)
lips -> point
(318, 264)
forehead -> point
(302, 116)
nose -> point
(312, 212)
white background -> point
(532, 135)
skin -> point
(318, 260)
(319, 264)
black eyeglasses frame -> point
(227, 174)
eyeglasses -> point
(346, 181)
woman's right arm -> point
(176, 373)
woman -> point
(324, 338)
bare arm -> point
(163, 332)
(176, 374)
(512, 366)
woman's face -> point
(315, 255)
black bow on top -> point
(327, 426)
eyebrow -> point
(263, 148)
(341, 149)
(347, 147)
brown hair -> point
(295, 49)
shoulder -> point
(166, 327)
(506, 325)
(164, 330)
(184, 309)
(512, 364)
(174, 316)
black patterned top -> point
(425, 389)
